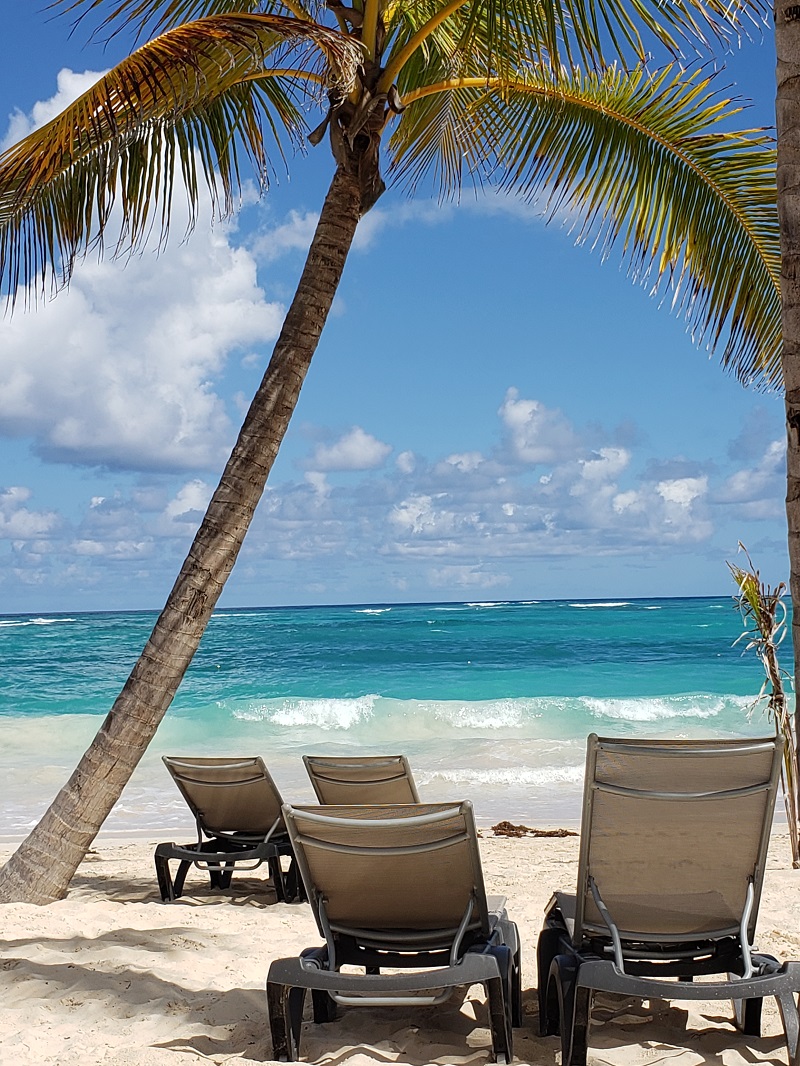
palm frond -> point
(146, 18)
(196, 97)
(509, 34)
(649, 161)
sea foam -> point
(611, 603)
(322, 713)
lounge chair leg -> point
(323, 1006)
(279, 1025)
(516, 989)
(499, 1020)
(574, 1008)
(180, 878)
(297, 997)
(747, 1013)
(295, 888)
(276, 875)
(165, 886)
(547, 948)
(285, 1010)
(791, 1025)
(225, 874)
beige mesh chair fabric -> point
(229, 796)
(674, 837)
(345, 851)
(673, 834)
(237, 809)
(399, 887)
(361, 779)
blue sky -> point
(493, 412)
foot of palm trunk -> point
(42, 867)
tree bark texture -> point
(42, 867)
(787, 106)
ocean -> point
(491, 701)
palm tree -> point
(489, 90)
(787, 41)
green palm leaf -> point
(560, 30)
(648, 161)
(151, 17)
(510, 34)
(196, 96)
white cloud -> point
(607, 463)
(120, 549)
(466, 577)
(428, 212)
(17, 520)
(414, 514)
(466, 520)
(627, 501)
(758, 490)
(406, 462)
(537, 434)
(682, 492)
(118, 371)
(295, 234)
(318, 482)
(191, 500)
(71, 85)
(466, 462)
(355, 450)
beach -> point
(111, 976)
(490, 701)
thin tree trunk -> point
(787, 41)
(42, 867)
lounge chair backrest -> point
(391, 867)
(228, 795)
(673, 833)
(361, 779)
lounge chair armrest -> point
(472, 970)
(605, 976)
(209, 853)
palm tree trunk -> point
(42, 867)
(787, 41)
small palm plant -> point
(764, 613)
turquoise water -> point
(490, 701)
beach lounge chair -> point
(395, 887)
(673, 844)
(361, 778)
(237, 807)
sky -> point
(493, 413)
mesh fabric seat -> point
(237, 807)
(361, 778)
(395, 887)
(674, 840)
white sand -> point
(112, 976)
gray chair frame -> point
(480, 948)
(339, 779)
(226, 837)
(584, 945)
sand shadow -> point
(91, 883)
